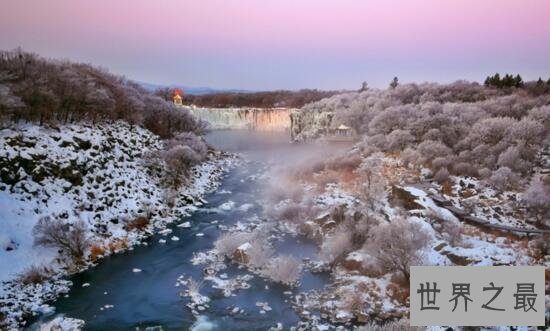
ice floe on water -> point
(204, 324)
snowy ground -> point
(79, 172)
(359, 293)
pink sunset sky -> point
(291, 44)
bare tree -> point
(70, 239)
(373, 184)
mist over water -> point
(149, 298)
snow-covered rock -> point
(61, 323)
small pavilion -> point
(343, 131)
(178, 97)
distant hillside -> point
(265, 99)
(190, 90)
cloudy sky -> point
(274, 44)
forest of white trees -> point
(463, 129)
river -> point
(138, 300)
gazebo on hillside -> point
(343, 131)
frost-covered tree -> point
(398, 139)
(398, 245)
(537, 199)
(373, 185)
(336, 245)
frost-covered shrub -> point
(34, 275)
(179, 160)
(485, 173)
(284, 269)
(441, 162)
(399, 139)
(442, 175)
(528, 131)
(450, 229)
(181, 153)
(70, 239)
(336, 245)
(504, 179)
(512, 159)
(191, 140)
(410, 156)
(259, 254)
(430, 149)
(433, 134)
(228, 242)
(490, 131)
(537, 198)
(541, 115)
(465, 169)
(539, 248)
(398, 245)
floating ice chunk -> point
(174, 238)
(85, 284)
(227, 205)
(246, 207)
(184, 225)
(200, 234)
(165, 232)
(136, 270)
(162, 241)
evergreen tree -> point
(493, 80)
(508, 81)
(496, 80)
(518, 81)
(394, 82)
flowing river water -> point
(147, 299)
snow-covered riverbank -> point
(94, 174)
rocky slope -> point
(96, 174)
